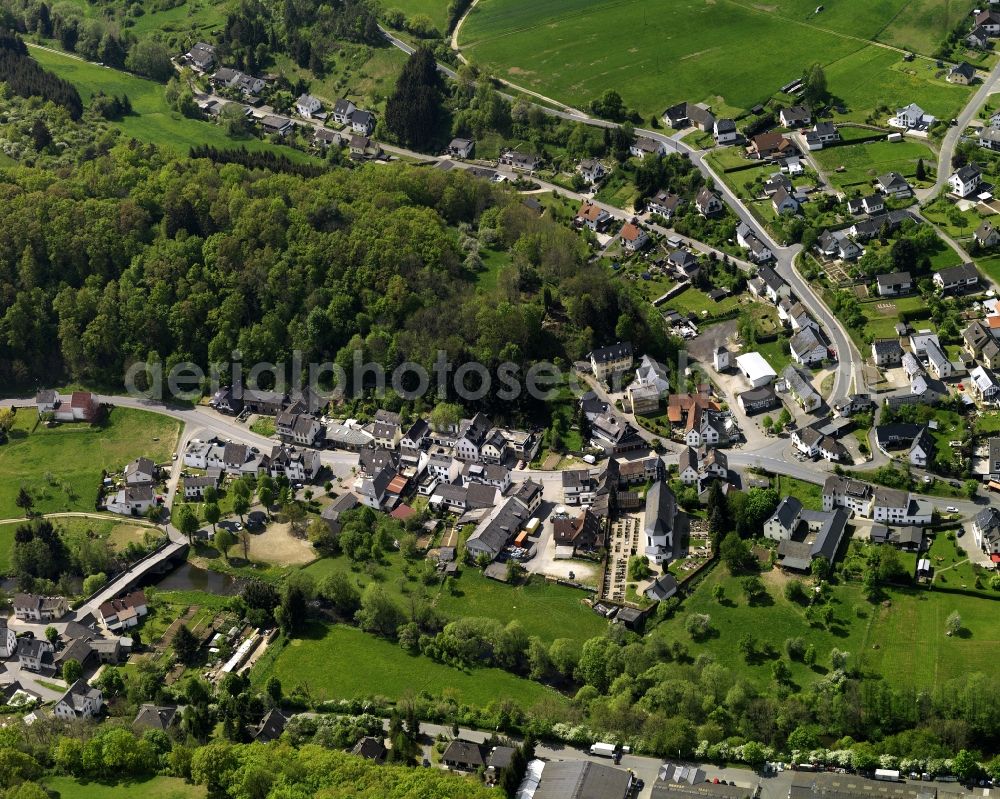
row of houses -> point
(888, 505)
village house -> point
(846, 492)
(36, 654)
(132, 500)
(887, 352)
(808, 346)
(938, 361)
(771, 145)
(275, 125)
(965, 180)
(775, 287)
(989, 20)
(633, 237)
(757, 250)
(643, 146)
(201, 56)
(914, 438)
(307, 106)
(614, 435)
(821, 134)
(592, 216)
(892, 506)
(871, 205)
(297, 427)
(82, 407)
(125, 612)
(496, 531)
(8, 640)
(297, 465)
(989, 137)
(141, 472)
(962, 74)
(976, 336)
(795, 117)
(912, 117)
(801, 389)
(697, 114)
(46, 401)
(461, 148)
(472, 434)
(725, 131)
(837, 245)
(758, 400)
(957, 278)
(664, 203)
(489, 474)
(524, 162)
(361, 147)
(461, 755)
(986, 235)
(155, 717)
(591, 170)
(584, 533)
(708, 203)
(33, 607)
(986, 530)
(783, 203)
(894, 284)
(608, 361)
(79, 702)
(892, 184)
(362, 122)
(984, 384)
(195, 487)
(784, 522)
(978, 38)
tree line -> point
(25, 77)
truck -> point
(603, 750)
(887, 774)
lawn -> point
(809, 494)
(770, 622)
(675, 51)
(908, 645)
(195, 17)
(883, 315)
(335, 661)
(545, 609)
(952, 567)
(951, 427)
(61, 466)
(152, 120)
(990, 265)
(864, 162)
(154, 788)
(775, 353)
(697, 301)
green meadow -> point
(667, 51)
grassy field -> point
(61, 466)
(545, 609)
(436, 10)
(864, 162)
(152, 120)
(809, 494)
(155, 788)
(883, 315)
(343, 662)
(674, 51)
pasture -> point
(61, 466)
(153, 788)
(334, 662)
(674, 50)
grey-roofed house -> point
(800, 387)
(494, 532)
(270, 727)
(784, 521)
(894, 284)
(463, 755)
(808, 347)
(965, 180)
(957, 277)
(892, 184)
(887, 352)
(154, 717)
(370, 749)
(821, 538)
(663, 587)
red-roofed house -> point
(402, 512)
(82, 407)
(121, 614)
(633, 237)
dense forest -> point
(26, 78)
(134, 256)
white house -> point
(912, 117)
(956, 277)
(807, 346)
(307, 105)
(965, 180)
(125, 612)
(725, 131)
(938, 361)
(607, 361)
(132, 500)
(79, 702)
(782, 525)
(8, 640)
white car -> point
(951, 509)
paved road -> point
(951, 138)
